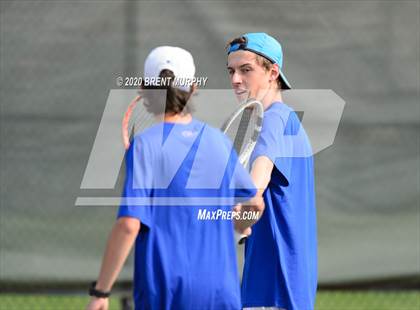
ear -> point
(274, 72)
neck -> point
(177, 118)
(272, 95)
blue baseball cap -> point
(266, 46)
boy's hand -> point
(98, 304)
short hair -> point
(176, 99)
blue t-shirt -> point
(173, 172)
(281, 254)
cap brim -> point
(284, 82)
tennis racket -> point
(136, 119)
(243, 127)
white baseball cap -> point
(176, 59)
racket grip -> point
(240, 238)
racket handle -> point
(240, 238)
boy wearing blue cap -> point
(280, 268)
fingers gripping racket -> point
(244, 127)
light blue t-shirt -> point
(181, 262)
(281, 254)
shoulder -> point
(213, 131)
(214, 137)
(219, 135)
(150, 137)
(274, 117)
(279, 114)
(151, 132)
(278, 110)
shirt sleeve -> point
(274, 144)
(136, 195)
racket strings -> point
(242, 130)
(140, 120)
(243, 126)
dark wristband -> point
(94, 292)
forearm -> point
(118, 248)
(261, 173)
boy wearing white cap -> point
(181, 262)
(280, 269)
